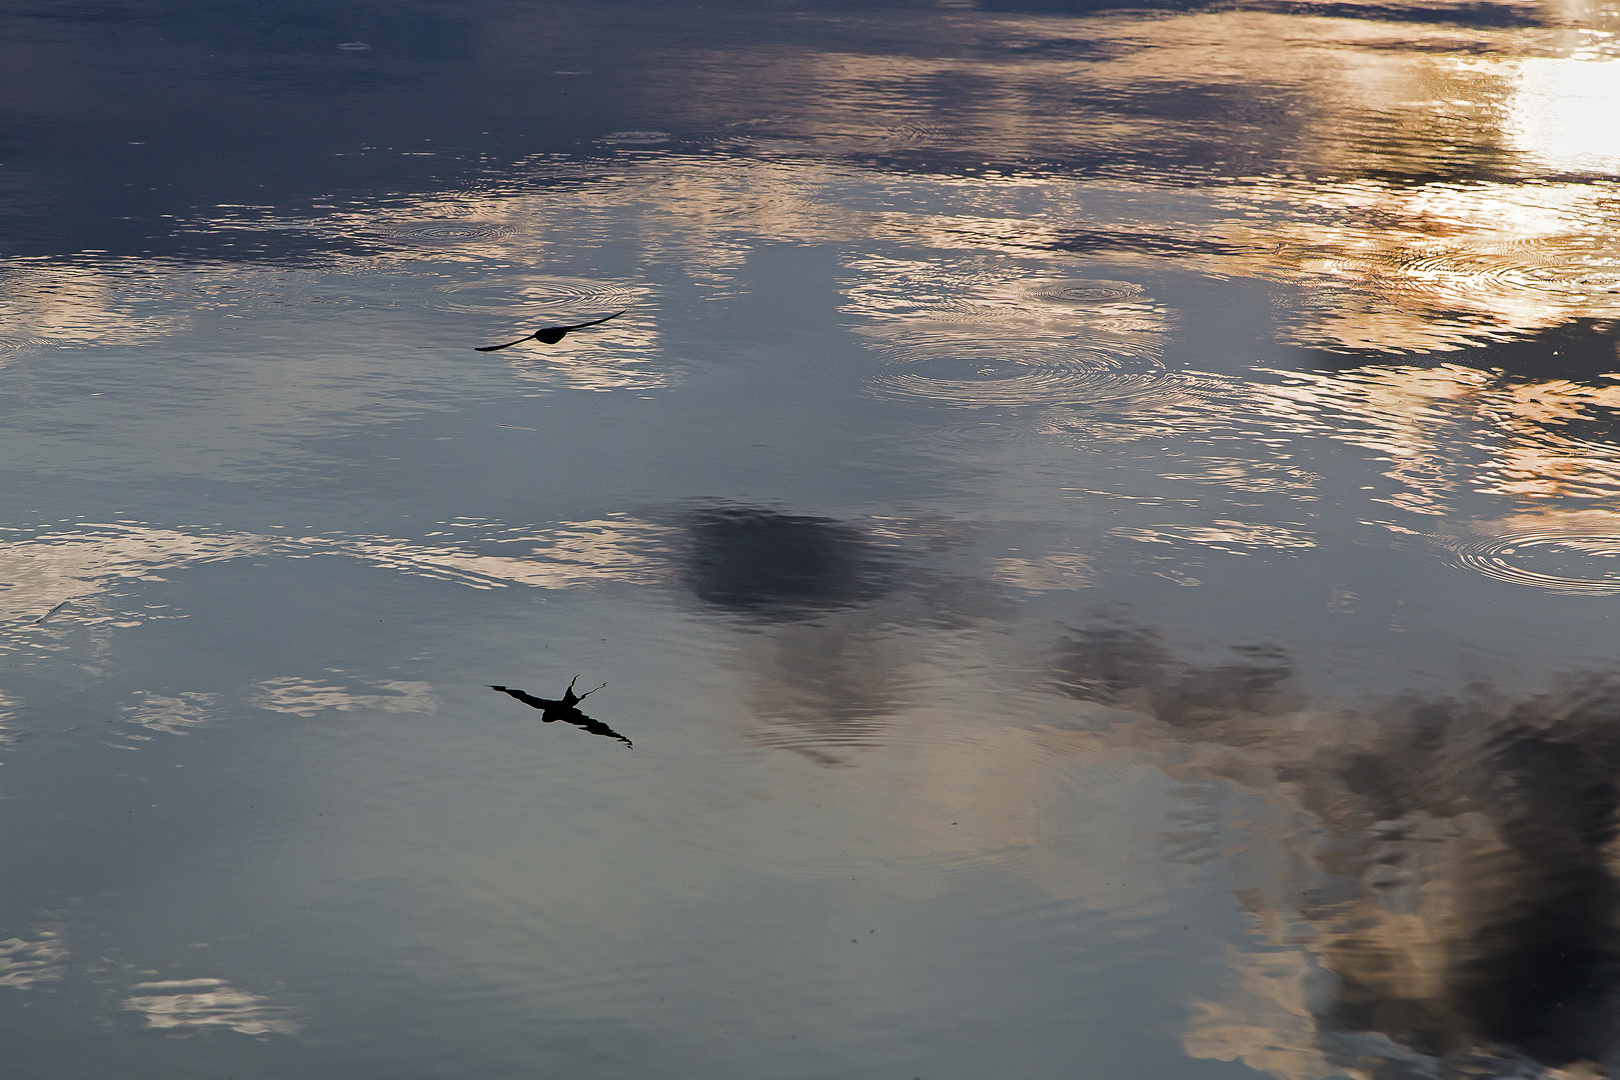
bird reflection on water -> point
(565, 709)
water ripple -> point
(530, 295)
(428, 233)
(1573, 552)
(1082, 291)
(636, 138)
(998, 381)
(976, 334)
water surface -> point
(1100, 525)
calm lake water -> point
(1101, 525)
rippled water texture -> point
(1079, 541)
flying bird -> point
(549, 335)
(565, 709)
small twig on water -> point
(51, 612)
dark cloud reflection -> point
(824, 680)
(1454, 885)
(772, 565)
(842, 617)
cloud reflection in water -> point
(297, 696)
(27, 961)
(771, 565)
(208, 1003)
(978, 185)
(1443, 901)
(840, 615)
(171, 715)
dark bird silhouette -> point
(550, 335)
(565, 709)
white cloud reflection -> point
(486, 554)
(171, 715)
(297, 696)
(88, 564)
(208, 1003)
(26, 961)
(41, 567)
(53, 305)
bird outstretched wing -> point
(548, 335)
(526, 698)
(508, 345)
(593, 322)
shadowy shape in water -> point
(1581, 350)
(829, 605)
(565, 709)
(764, 563)
(1097, 241)
(1464, 894)
(549, 335)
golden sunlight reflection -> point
(1401, 268)
(1564, 112)
(1386, 187)
(1389, 264)
(1376, 265)
(1448, 429)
